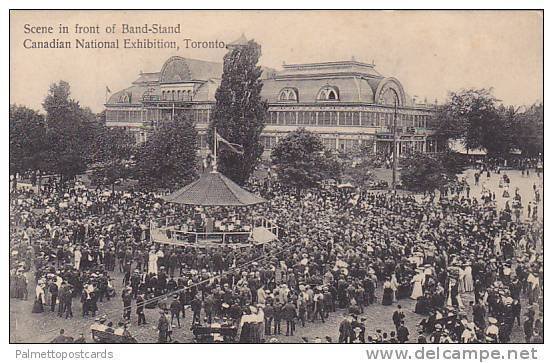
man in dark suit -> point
(140, 309)
(277, 314)
(208, 307)
(402, 333)
(62, 338)
(269, 315)
(126, 295)
(68, 301)
(289, 314)
(196, 306)
(175, 308)
(398, 317)
(479, 314)
(53, 288)
(162, 327)
(345, 329)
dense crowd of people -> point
(339, 251)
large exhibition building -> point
(348, 103)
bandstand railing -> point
(161, 231)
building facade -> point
(348, 103)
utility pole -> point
(394, 151)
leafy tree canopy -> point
(27, 139)
(111, 157)
(302, 161)
(475, 117)
(468, 116)
(168, 158)
(426, 173)
(239, 112)
(70, 135)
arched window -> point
(288, 94)
(328, 94)
(388, 96)
(124, 98)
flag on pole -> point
(236, 148)
(108, 92)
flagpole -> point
(215, 142)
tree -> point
(168, 158)
(425, 173)
(27, 130)
(70, 135)
(111, 157)
(302, 161)
(472, 116)
(527, 130)
(239, 112)
(358, 165)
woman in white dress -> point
(77, 258)
(152, 262)
(469, 286)
(417, 281)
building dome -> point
(175, 70)
(181, 70)
(388, 90)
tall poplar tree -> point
(239, 113)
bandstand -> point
(211, 191)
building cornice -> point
(327, 64)
(318, 76)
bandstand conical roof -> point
(213, 189)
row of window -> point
(123, 116)
(301, 118)
(154, 115)
(346, 118)
(176, 95)
(269, 142)
(327, 93)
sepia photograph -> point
(276, 176)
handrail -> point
(169, 234)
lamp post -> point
(394, 150)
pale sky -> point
(430, 52)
